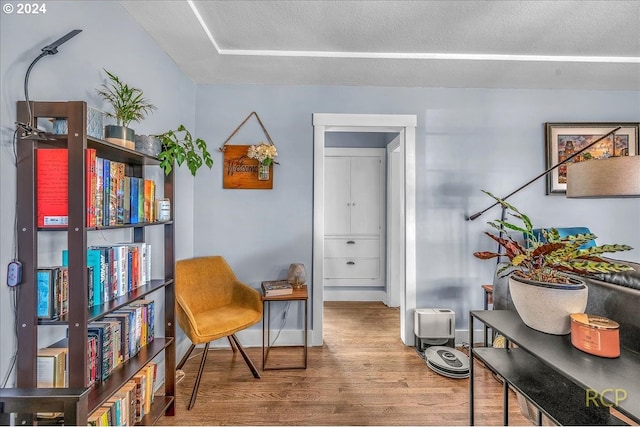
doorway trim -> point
(380, 123)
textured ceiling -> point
(401, 43)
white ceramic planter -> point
(546, 307)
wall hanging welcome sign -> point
(248, 166)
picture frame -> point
(564, 139)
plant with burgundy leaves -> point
(550, 258)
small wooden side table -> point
(301, 294)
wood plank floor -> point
(362, 375)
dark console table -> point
(567, 385)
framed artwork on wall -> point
(564, 139)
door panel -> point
(365, 195)
(337, 199)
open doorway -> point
(405, 274)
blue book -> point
(106, 184)
(134, 201)
(95, 260)
(129, 269)
(45, 278)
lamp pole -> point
(30, 129)
(477, 214)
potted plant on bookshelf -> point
(542, 281)
(179, 146)
(128, 104)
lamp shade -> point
(612, 177)
(297, 275)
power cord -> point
(14, 290)
(285, 314)
(14, 358)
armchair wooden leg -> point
(246, 358)
(185, 357)
(232, 344)
(197, 384)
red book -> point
(91, 183)
(52, 177)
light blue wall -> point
(110, 39)
(467, 140)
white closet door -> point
(337, 201)
(365, 195)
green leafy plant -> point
(128, 103)
(179, 146)
(549, 258)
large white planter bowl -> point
(546, 307)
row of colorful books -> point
(113, 196)
(111, 341)
(120, 269)
(130, 403)
(112, 271)
(118, 337)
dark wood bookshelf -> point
(111, 227)
(79, 315)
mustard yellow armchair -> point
(211, 303)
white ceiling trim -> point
(407, 55)
(194, 9)
(420, 55)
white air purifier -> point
(434, 327)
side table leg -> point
(506, 404)
(306, 332)
(264, 304)
(471, 420)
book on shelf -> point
(90, 186)
(126, 200)
(52, 204)
(147, 332)
(149, 193)
(133, 200)
(113, 193)
(51, 367)
(52, 284)
(141, 387)
(106, 191)
(123, 318)
(140, 203)
(273, 288)
(129, 390)
(98, 195)
(95, 284)
(105, 347)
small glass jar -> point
(263, 172)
